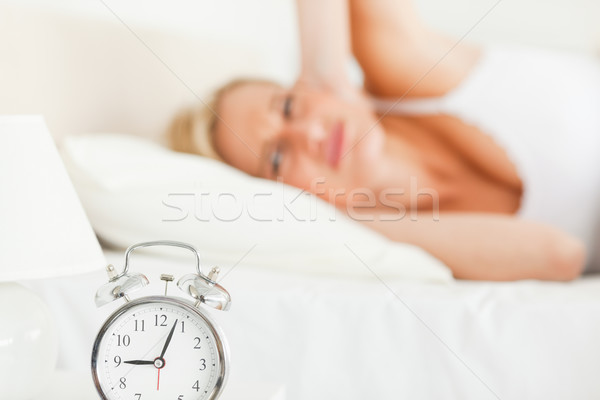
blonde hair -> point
(192, 130)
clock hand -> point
(168, 339)
(158, 381)
(139, 362)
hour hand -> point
(139, 362)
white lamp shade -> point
(44, 231)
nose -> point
(306, 135)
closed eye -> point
(276, 159)
(287, 106)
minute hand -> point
(164, 350)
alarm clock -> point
(161, 347)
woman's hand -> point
(348, 94)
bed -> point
(323, 325)
(326, 337)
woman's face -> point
(300, 136)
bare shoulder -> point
(401, 56)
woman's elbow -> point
(566, 258)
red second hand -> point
(158, 381)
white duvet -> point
(334, 338)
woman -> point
(468, 141)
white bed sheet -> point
(327, 338)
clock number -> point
(117, 361)
(197, 345)
(182, 326)
(196, 386)
(137, 396)
(140, 325)
(180, 397)
(123, 385)
(125, 341)
(163, 320)
(203, 366)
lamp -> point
(43, 233)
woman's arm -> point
(400, 56)
(491, 247)
(325, 44)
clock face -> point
(159, 348)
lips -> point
(334, 144)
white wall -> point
(561, 24)
(269, 26)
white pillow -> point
(134, 190)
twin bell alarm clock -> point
(161, 347)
